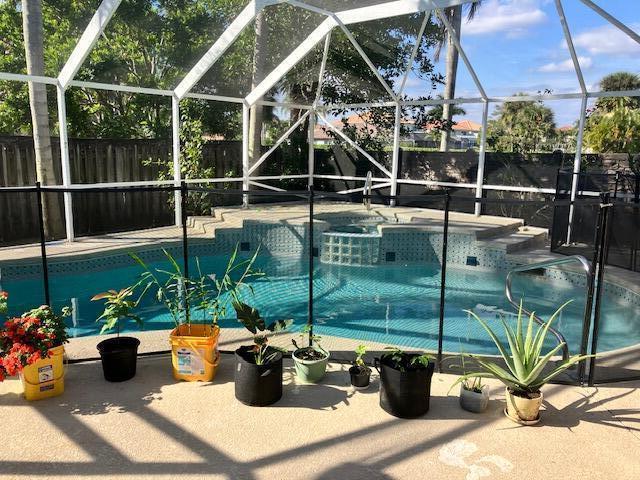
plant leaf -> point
(279, 325)
(496, 340)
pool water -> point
(389, 304)
(355, 228)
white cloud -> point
(607, 40)
(514, 17)
(566, 66)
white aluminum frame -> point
(340, 19)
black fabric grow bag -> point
(404, 394)
(257, 385)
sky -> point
(518, 46)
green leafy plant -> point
(405, 361)
(314, 350)
(359, 360)
(472, 384)
(174, 291)
(524, 359)
(206, 294)
(229, 286)
(252, 321)
(118, 307)
(4, 302)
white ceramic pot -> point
(475, 402)
(523, 410)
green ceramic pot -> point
(310, 371)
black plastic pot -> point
(257, 385)
(119, 357)
(404, 394)
(359, 377)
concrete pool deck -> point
(155, 427)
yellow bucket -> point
(194, 352)
(45, 378)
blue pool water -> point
(396, 304)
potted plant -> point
(194, 346)
(32, 346)
(359, 372)
(311, 361)
(405, 382)
(474, 395)
(258, 374)
(525, 373)
(119, 355)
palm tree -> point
(454, 16)
(34, 52)
(615, 82)
(259, 61)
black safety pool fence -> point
(588, 371)
(572, 231)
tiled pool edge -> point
(398, 245)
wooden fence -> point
(104, 160)
(98, 161)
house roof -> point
(467, 126)
(463, 125)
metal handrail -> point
(586, 266)
(366, 199)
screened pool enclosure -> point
(291, 82)
(331, 60)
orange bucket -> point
(45, 378)
(194, 352)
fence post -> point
(577, 161)
(185, 244)
(310, 313)
(481, 159)
(588, 309)
(604, 245)
(443, 276)
(43, 246)
(175, 155)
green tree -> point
(523, 126)
(388, 43)
(34, 55)
(147, 43)
(617, 82)
(616, 130)
(154, 43)
(454, 16)
(613, 125)
(439, 120)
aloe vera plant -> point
(524, 358)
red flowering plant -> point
(25, 340)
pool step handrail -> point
(584, 263)
(366, 199)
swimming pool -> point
(395, 304)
